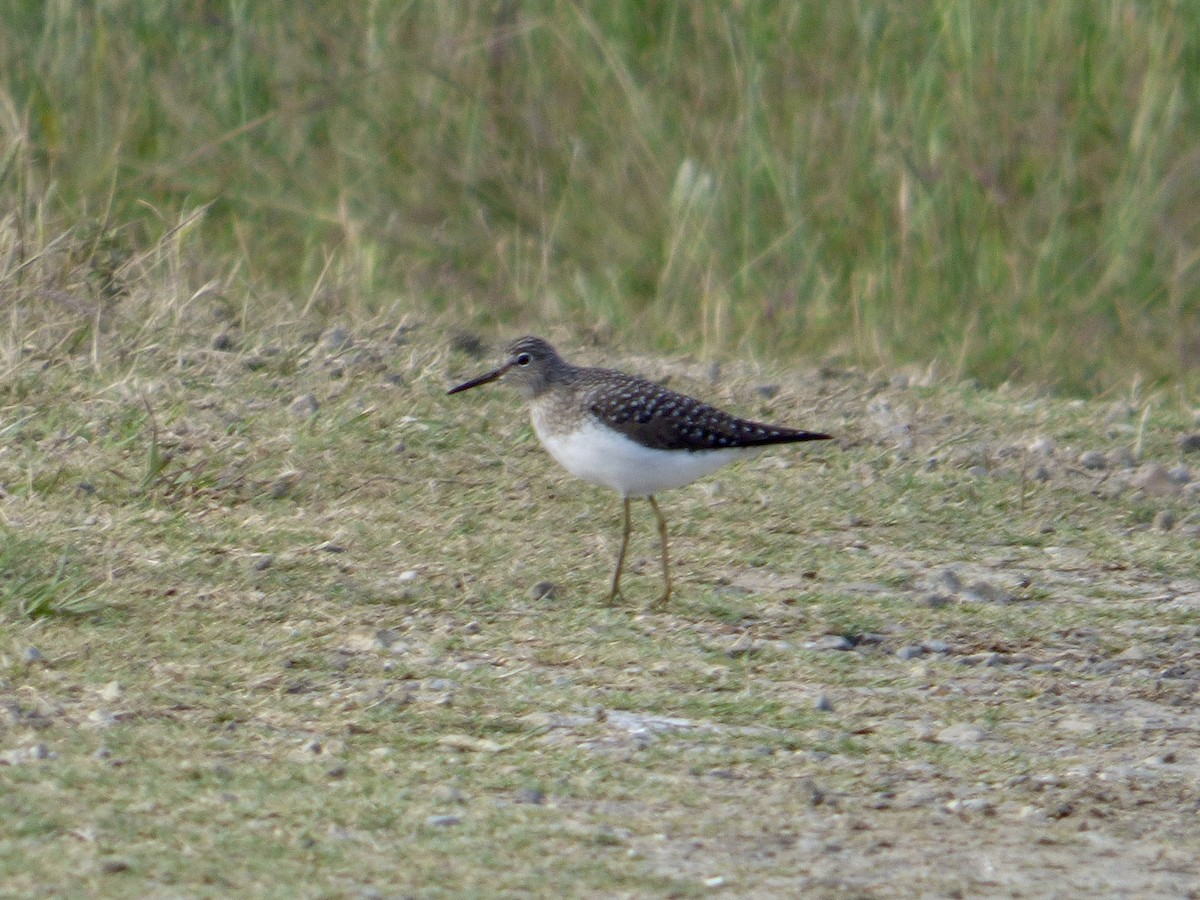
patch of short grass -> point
(38, 579)
(322, 636)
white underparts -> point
(608, 458)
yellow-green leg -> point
(616, 584)
(666, 563)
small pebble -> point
(335, 338)
(1042, 446)
(987, 592)
(810, 791)
(471, 628)
(1119, 411)
(1180, 474)
(111, 692)
(467, 343)
(263, 561)
(1154, 480)
(823, 703)
(543, 590)
(1122, 458)
(1164, 520)
(1190, 443)
(282, 486)
(936, 646)
(384, 638)
(114, 866)
(949, 579)
(910, 651)
(1093, 459)
(222, 341)
(443, 821)
(31, 655)
(830, 642)
(448, 793)
(917, 797)
(531, 796)
(1075, 725)
(980, 805)
(304, 406)
(767, 391)
(409, 575)
(744, 645)
(960, 735)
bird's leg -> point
(666, 563)
(616, 585)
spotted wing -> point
(663, 419)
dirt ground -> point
(352, 643)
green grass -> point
(1005, 189)
(277, 637)
(37, 580)
(260, 700)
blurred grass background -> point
(1011, 189)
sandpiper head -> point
(530, 364)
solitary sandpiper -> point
(626, 433)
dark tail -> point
(792, 436)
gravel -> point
(304, 406)
(543, 590)
(1190, 443)
(960, 735)
(830, 642)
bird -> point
(628, 434)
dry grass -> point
(314, 630)
(1008, 189)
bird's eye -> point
(524, 359)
